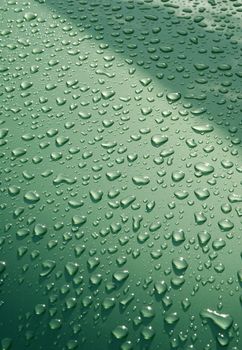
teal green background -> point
(84, 49)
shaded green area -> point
(191, 48)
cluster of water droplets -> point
(121, 162)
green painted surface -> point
(121, 163)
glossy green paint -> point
(120, 146)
